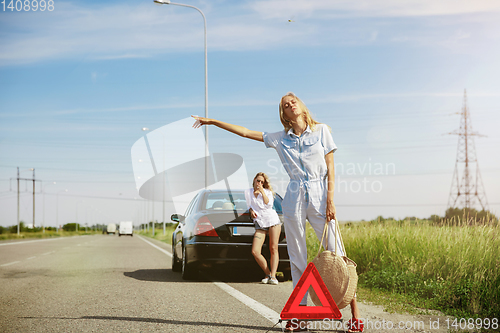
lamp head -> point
(161, 2)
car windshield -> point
(226, 201)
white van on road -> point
(126, 228)
(111, 228)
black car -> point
(217, 230)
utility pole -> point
(33, 199)
(18, 220)
(470, 186)
(18, 198)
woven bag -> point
(353, 284)
(333, 271)
(353, 276)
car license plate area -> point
(243, 231)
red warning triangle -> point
(309, 278)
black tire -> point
(188, 271)
(176, 263)
(119, 235)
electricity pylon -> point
(469, 188)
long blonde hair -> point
(287, 124)
(267, 182)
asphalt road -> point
(107, 283)
(120, 284)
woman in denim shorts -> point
(260, 200)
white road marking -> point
(157, 247)
(261, 309)
(47, 253)
(31, 258)
(10, 263)
(24, 242)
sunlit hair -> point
(267, 182)
(287, 124)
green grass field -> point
(167, 238)
(454, 269)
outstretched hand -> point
(201, 121)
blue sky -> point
(78, 84)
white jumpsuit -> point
(304, 160)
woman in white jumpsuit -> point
(305, 148)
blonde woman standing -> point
(260, 199)
(305, 148)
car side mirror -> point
(177, 218)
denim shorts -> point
(258, 227)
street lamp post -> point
(43, 190)
(163, 197)
(76, 227)
(86, 216)
(57, 210)
(145, 129)
(167, 2)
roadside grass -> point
(167, 238)
(47, 234)
(414, 265)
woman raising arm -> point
(236, 129)
(305, 148)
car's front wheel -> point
(188, 271)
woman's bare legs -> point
(354, 309)
(355, 323)
(258, 240)
(274, 238)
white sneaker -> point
(266, 280)
(273, 281)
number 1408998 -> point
(478, 323)
(28, 5)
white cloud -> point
(111, 31)
(371, 8)
(119, 32)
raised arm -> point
(239, 130)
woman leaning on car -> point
(260, 200)
(305, 148)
